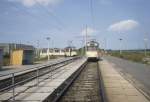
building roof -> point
(13, 46)
(72, 47)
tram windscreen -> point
(91, 48)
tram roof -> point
(92, 43)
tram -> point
(92, 50)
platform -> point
(31, 92)
(16, 68)
(118, 89)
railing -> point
(14, 79)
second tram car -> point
(92, 51)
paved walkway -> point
(137, 73)
(117, 88)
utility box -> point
(22, 57)
(1, 57)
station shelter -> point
(22, 57)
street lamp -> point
(48, 39)
(70, 47)
(145, 42)
(82, 47)
(120, 46)
(86, 33)
(105, 45)
(38, 49)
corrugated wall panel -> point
(17, 57)
(28, 57)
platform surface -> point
(117, 88)
(38, 93)
(16, 68)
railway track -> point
(86, 87)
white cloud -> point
(90, 31)
(30, 3)
(123, 25)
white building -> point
(68, 51)
(55, 52)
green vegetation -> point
(136, 56)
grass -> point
(136, 56)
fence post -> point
(37, 75)
(13, 84)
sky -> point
(64, 21)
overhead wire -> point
(91, 7)
(50, 13)
(35, 17)
(92, 12)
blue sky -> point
(26, 21)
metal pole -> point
(85, 42)
(120, 49)
(145, 41)
(82, 50)
(38, 50)
(37, 75)
(86, 39)
(105, 41)
(70, 51)
(50, 71)
(48, 51)
(70, 47)
(53, 47)
(13, 84)
(48, 39)
(82, 42)
(120, 46)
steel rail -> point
(58, 95)
(101, 85)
